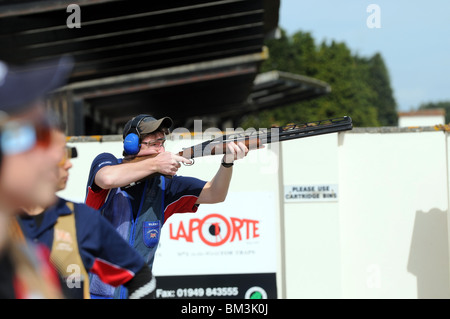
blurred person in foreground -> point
(28, 173)
(82, 241)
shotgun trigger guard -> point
(189, 164)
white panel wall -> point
(393, 208)
(312, 239)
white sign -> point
(237, 236)
(311, 193)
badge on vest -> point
(151, 233)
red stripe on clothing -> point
(96, 199)
(111, 274)
(20, 290)
(185, 204)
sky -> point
(413, 37)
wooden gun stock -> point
(135, 159)
(219, 147)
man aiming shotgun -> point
(141, 193)
(138, 206)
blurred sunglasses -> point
(69, 152)
(20, 136)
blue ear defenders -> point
(131, 143)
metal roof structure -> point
(179, 58)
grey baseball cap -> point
(19, 86)
(147, 124)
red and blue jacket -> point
(103, 252)
(139, 212)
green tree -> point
(358, 85)
(377, 77)
(297, 53)
(349, 94)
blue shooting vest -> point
(142, 233)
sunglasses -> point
(19, 136)
(69, 152)
(155, 143)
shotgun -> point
(255, 139)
